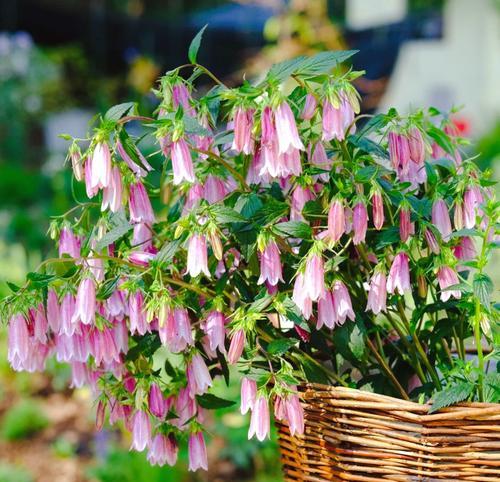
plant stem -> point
(479, 347)
(387, 369)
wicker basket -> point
(356, 435)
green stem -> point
(479, 347)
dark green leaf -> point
(146, 346)
(283, 70)
(366, 174)
(14, 288)
(167, 252)
(195, 45)
(107, 288)
(483, 287)
(39, 280)
(280, 346)
(313, 372)
(323, 62)
(261, 303)
(118, 111)
(441, 139)
(169, 369)
(368, 146)
(210, 401)
(455, 394)
(224, 214)
(295, 229)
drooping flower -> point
(470, 207)
(432, 241)
(399, 152)
(336, 220)
(416, 146)
(309, 107)
(157, 402)
(112, 193)
(378, 210)
(182, 162)
(198, 377)
(398, 280)
(181, 97)
(77, 163)
(236, 346)
(215, 329)
(458, 216)
(19, 345)
(197, 259)
(294, 414)
(100, 166)
(163, 450)
(270, 264)
(141, 431)
(441, 219)
(137, 314)
(286, 129)
(214, 189)
(69, 243)
(336, 119)
(314, 277)
(377, 293)
(406, 228)
(259, 422)
(177, 331)
(140, 207)
(243, 124)
(448, 277)
(342, 302)
(466, 250)
(85, 306)
(326, 311)
(301, 297)
(139, 171)
(319, 158)
(197, 452)
(53, 311)
(300, 196)
(359, 222)
(248, 394)
(141, 258)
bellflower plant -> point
(276, 230)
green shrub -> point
(11, 473)
(22, 420)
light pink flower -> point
(132, 165)
(163, 450)
(100, 166)
(259, 422)
(377, 293)
(399, 152)
(416, 146)
(140, 207)
(248, 394)
(142, 237)
(214, 189)
(137, 314)
(300, 197)
(441, 219)
(236, 346)
(243, 124)
(177, 331)
(314, 277)
(53, 311)
(471, 203)
(195, 194)
(458, 216)
(432, 241)
(359, 222)
(319, 158)
(309, 107)
(342, 302)
(270, 265)
(294, 413)
(336, 120)
(336, 220)
(198, 377)
(215, 329)
(197, 259)
(141, 258)
(157, 402)
(399, 275)
(286, 129)
(326, 311)
(141, 431)
(466, 250)
(69, 243)
(182, 162)
(405, 225)
(197, 452)
(112, 193)
(301, 297)
(85, 308)
(19, 346)
(448, 277)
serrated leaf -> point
(195, 45)
(368, 146)
(441, 138)
(281, 71)
(167, 252)
(112, 236)
(450, 396)
(39, 280)
(366, 174)
(295, 229)
(261, 303)
(323, 62)
(118, 111)
(483, 287)
(211, 402)
(280, 346)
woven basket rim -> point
(314, 390)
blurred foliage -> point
(23, 420)
(489, 148)
(11, 473)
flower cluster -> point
(278, 233)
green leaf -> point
(107, 288)
(349, 340)
(449, 396)
(441, 138)
(224, 214)
(192, 126)
(295, 229)
(146, 346)
(483, 287)
(281, 71)
(211, 402)
(167, 252)
(13, 287)
(492, 387)
(120, 110)
(195, 45)
(368, 146)
(261, 302)
(366, 174)
(39, 280)
(112, 236)
(323, 62)
(313, 372)
(280, 346)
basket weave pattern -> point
(361, 436)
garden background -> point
(63, 60)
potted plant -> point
(271, 231)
